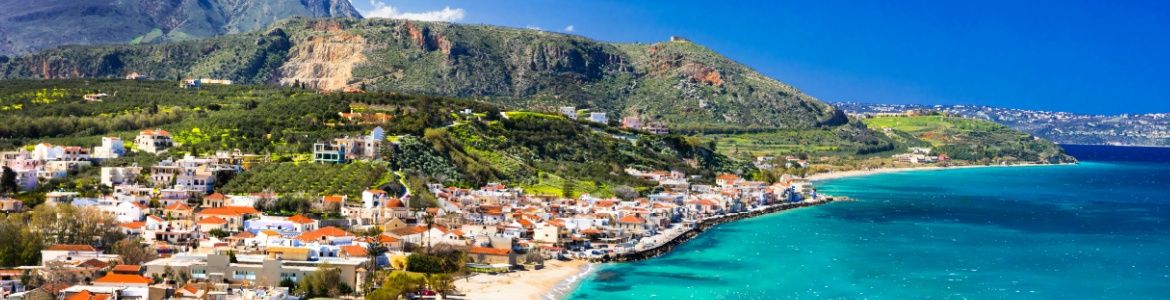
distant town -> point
(1061, 127)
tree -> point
(133, 252)
(567, 188)
(395, 285)
(325, 282)
(218, 233)
(8, 181)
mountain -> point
(1151, 129)
(29, 26)
(682, 84)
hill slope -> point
(28, 26)
(680, 83)
(969, 139)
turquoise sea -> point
(1097, 230)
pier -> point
(684, 234)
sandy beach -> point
(855, 173)
(524, 284)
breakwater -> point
(701, 226)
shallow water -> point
(1094, 230)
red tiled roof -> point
(86, 295)
(489, 251)
(300, 219)
(178, 206)
(212, 220)
(134, 225)
(123, 278)
(632, 219)
(93, 263)
(71, 248)
(386, 239)
(354, 250)
(230, 211)
(329, 231)
(132, 269)
(215, 196)
(394, 202)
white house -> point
(153, 141)
(598, 117)
(112, 176)
(569, 111)
(112, 147)
(373, 198)
(46, 151)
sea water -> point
(1096, 230)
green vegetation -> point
(969, 139)
(25, 234)
(685, 85)
(849, 140)
(310, 179)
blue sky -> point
(1078, 56)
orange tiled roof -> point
(333, 199)
(212, 220)
(329, 231)
(300, 219)
(123, 278)
(134, 225)
(632, 219)
(215, 196)
(127, 269)
(376, 191)
(394, 202)
(178, 206)
(489, 251)
(386, 239)
(354, 250)
(71, 248)
(86, 295)
(230, 211)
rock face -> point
(323, 60)
(32, 25)
(678, 83)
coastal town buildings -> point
(153, 141)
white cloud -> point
(383, 10)
(570, 28)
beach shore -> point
(856, 173)
(536, 284)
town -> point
(164, 231)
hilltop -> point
(680, 83)
(29, 26)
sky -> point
(1099, 57)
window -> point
(199, 273)
(289, 276)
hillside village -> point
(180, 237)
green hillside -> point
(546, 153)
(682, 84)
(968, 139)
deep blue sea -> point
(1096, 230)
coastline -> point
(859, 173)
(559, 278)
(556, 276)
